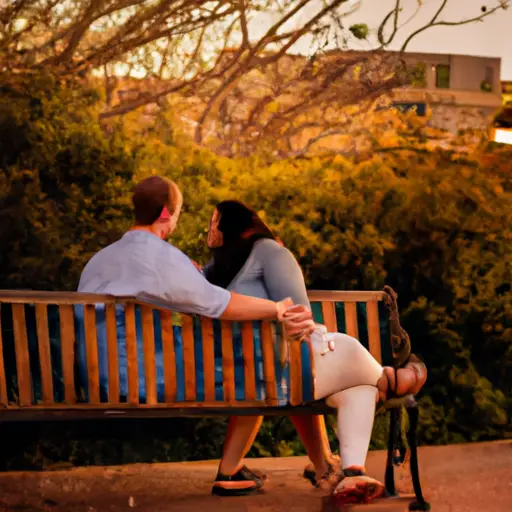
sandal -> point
(310, 474)
(355, 487)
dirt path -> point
(463, 478)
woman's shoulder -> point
(268, 250)
(266, 246)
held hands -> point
(297, 319)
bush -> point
(432, 223)
(63, 184)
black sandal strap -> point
(352, 472)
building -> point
(462, 91)
(457, 92)
(502, 123)
(506, 92)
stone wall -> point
(455, 118)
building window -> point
(489, 74)
(487, 84)
(417, 73)
(443, 76)
(419, 108)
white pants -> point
(347, 377)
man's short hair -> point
(151, 195)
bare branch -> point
(435, 23)
(394, 13)
(143, 99)
(249, 87)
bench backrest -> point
(56, 349)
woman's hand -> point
(297, 320)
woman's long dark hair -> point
(236, 220)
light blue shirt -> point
(141, 264)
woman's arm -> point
(281, 273)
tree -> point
(406, 210)
(433, 222)
(63, 184)
(183, 45)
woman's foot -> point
(405, 381)
(333, 468)
(242, 483)
(356, 487)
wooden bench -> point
(67, 355)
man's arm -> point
(243, 307)
(189, 292)
(297, 320)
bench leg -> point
(394, 425)
(419, 503)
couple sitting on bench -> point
(251, 276)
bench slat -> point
(189, 357)
(67, 345)
(131, 354)
(267, 343)
(3, 383)
(22, 356)
(372, 311)
(351, 319)
(169, 356)
(295, 372)
(148, 338)
(208, 359)
(91, 354)
(45, 359)
(329, 314)
(105, 410)
(45, 297)
(248, 355)
(113, 366)
(228, 362)
(344, 296)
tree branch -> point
(433, 22)
(395, 12)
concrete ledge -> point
(450, 97)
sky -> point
(490, 38)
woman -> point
(247, 259)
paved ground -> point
(463, 478)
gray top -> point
(141, 264)
(270, 272)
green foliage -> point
(435, 225)
(359, 30)
(485, 86)
(417, 74)
(61, 444)
(63, 183)
(432, 223)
